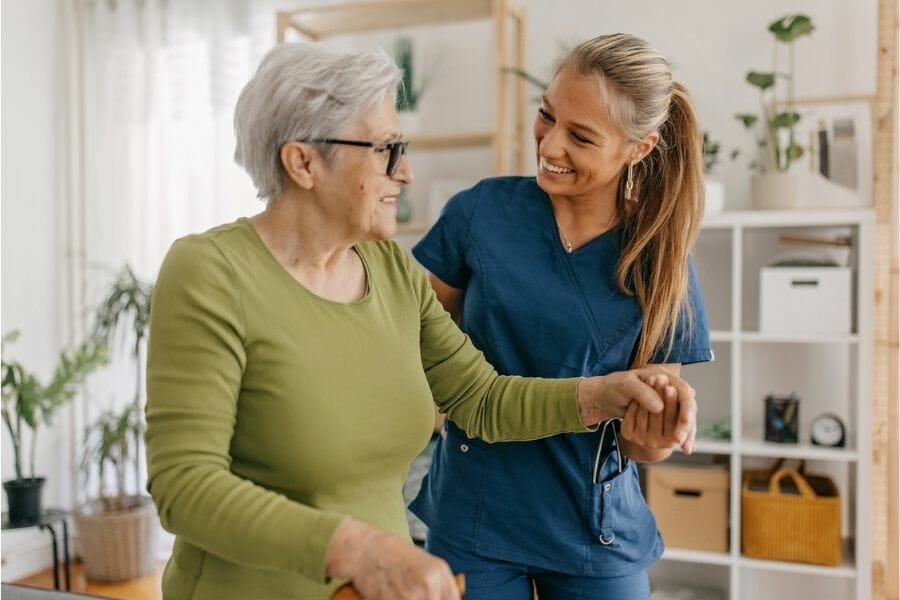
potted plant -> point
(26, 404)
(715, 191)
(118, 529)
(411, 89)
(773, 130)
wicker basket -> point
(796, 520)
(121, 544)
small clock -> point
(827, 430)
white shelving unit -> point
(829, 372)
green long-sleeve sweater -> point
(273, 414)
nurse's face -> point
(579, 152)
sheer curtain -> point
(156, 85)
(160, 79)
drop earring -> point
(629, 182)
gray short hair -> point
(304, 91)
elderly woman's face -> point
(367, 195)
(579, 152)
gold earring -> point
(629, 182)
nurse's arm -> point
(450, 297)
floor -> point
(146, 588)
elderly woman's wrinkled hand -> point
(385, 566)
(673, 427)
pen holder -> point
(782, 416)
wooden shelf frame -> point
(507, 138)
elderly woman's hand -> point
(651, 437)
(384, 566)
(609, 396)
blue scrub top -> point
(535, 310)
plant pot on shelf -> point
(117, 544)
(24, 499)
(780, 190)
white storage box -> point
(805, 300)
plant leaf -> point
(794, 151)
(747, 119)
(785, 119)
(762, 80)
(790, 27)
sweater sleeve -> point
(484, 404)
(196, 358)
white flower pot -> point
(780, 190)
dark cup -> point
(782, 416)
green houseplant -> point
(774, 128)
(118, 530)
(27, 403)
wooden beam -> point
(326, 21)
(884, 524)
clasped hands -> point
(657, 407)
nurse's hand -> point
(609, 396)
(652, 437)
(385, 566)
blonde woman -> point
(582, 270)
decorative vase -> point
(410, 121)
(404, 207)
(715, 197)
(24, 499)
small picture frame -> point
(836, 137)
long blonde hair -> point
(661, 222)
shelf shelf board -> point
(798, 338)
(787, 218)
(846, 570)
(704, 446)
(807, 451)
(721, 335)
(465, 139)
(322, 22)
(705, 557)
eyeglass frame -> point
(609, 443)
(397, 149)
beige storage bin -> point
(690, 504)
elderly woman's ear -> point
(295, 158)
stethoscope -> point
(606, 448)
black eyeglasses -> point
(396, 149)
(609, 444)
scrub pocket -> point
(621, 521)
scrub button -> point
(464, 447)
(607, 487)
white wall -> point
(33, 93)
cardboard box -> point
(805, 299)
(690, 504)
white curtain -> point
(160, 79)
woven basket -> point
(118, 545)
(802, 525)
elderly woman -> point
(295, 357)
